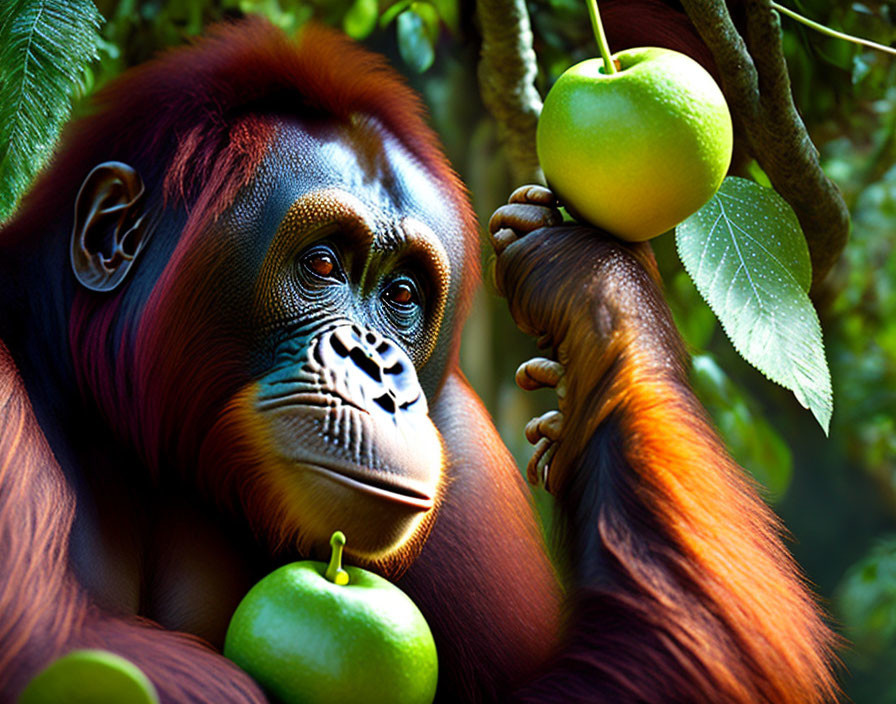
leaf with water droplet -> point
(755, 273)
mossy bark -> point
(507, 71)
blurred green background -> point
(836, 494)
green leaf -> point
(360, 19)
(757, 174)
(393, 11)
(414, 43)
(449, 11)
(45, 47)
(747, 256)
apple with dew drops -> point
(638, 147)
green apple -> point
(637, 151)
(90, 677)
(319, 634)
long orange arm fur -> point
(685, 590)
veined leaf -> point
(747, 256)
(45, 45)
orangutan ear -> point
(111, 226)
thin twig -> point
(831, 32)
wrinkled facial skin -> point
(357, 257)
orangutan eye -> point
(321, 264)
(402, 293)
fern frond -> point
(45, 46)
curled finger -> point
(538, 373)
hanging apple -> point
(638, 148)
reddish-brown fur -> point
(43, 611)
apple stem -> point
(598, 27)
(334, 572)
(831, 32)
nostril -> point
(396, 368)
(366, 364)
(371, 338)
(386, 402)
(339, 346)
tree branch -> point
(507, 71)
(756, 84)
